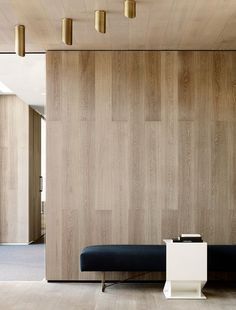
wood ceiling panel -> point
(159, 25)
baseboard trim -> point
(15, 243)
(107, 281)
(137, 281)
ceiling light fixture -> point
(130, 8)
(67, 31)
(20, 40)
(100, 21)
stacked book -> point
(189, 238)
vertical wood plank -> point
(4, 128)
(54, 204)
(54, 85)
(202, 146)
(120, 87)
(170, 129)
(86, 188)
(120, 182)
(70, 246)
(86, 85)
(205, 223)
(4, 199)
(103, 131)
(186, 179)
(137, 133)
(152, 86)
(220, 179)
(34, 174)
(103, 227)
(186, 85)
(169, 224)
(14, 171)
(72, 98)
(232, 72)
(153, 182)
(222, 88)
(70, 171)
(232, 166)
(137, 226)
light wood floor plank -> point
(74, 296)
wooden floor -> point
(86, 296)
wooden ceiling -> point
(160, 24)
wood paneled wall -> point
(14, 170)
(18, 146)
(141, 146)
(34, 174)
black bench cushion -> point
(123, 258)
(222, 258)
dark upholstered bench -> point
(147, 258)
(142, 258)
(221, 258)
(123, 258)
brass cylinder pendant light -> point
(100, 21)
(20, 40)
(67, 31)
(130, 8)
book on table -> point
(189, 238)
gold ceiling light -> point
(130, 8)
(20, 40)
(67, 31)
(100, 21)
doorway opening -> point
(22, 167)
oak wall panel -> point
(120, 182)
(169, 128)
(141, 146)
(103, 131)
(14, 118)
(120, 87)
(186, 85)
(20, 143)
(34, 173)
(136, 132)
(53, 71)
(152, 86)
(86, 84)
(186, 178)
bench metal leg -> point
(103, 282)
(104, 285)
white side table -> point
(186, 270)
